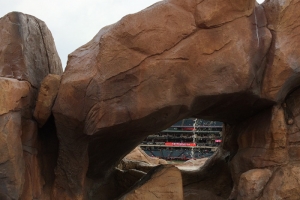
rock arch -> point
(237, 63)
(172, 60)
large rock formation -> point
(234, 62)
(27, 55)
(151, 69)
(172, 60)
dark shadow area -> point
(48, 150)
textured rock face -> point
(47, 94)
(252, 183)
(139, 155)
(151, 69)
(234, 62)
(163, 182)
(13, 101)
(283, 61)
(27, 55)
(268, 140)
(284, 184)
(213, 179)
(262, 142)
(27, 50)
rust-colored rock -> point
(151, 69)
(12, 94)
(235, 62)
(27, 55)
(27, 49)
(47, 94)
(217, 13)
(162, 182)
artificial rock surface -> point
(162, 182)
(138, 154)
(137, 159)
(283, 60)
(27, 55)
(27, 49)
(234, 62)
(150, 70)
(252, 183)
(47, 94)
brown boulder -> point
(284, 184)
(137, 159)
(162, 182)
(137, 165)
(252, 183)
(27, 49)
(27, 55)
(47, 94)
(283, 60)
(138, 154)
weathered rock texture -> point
(27, 50)
(27, 55)
(47, 94)
(213, 179)
(162, 182)
(252, 183)
(12, 167)
(235, 62)
(151, 69)
(138, 154)
(137, 159)
(283, 60)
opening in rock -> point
(187, 139)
